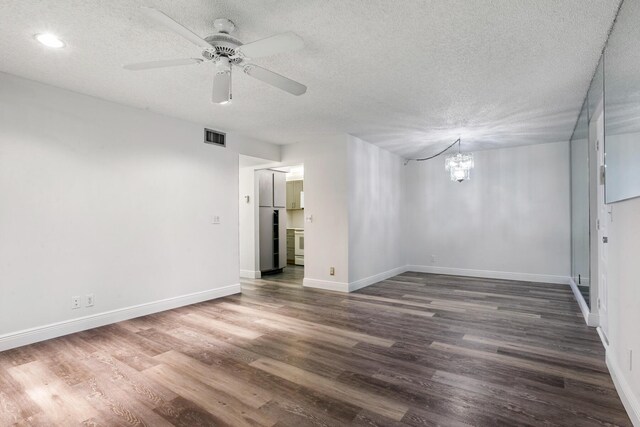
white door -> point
(602, 225)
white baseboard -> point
(590, 318)
(250, 274)
(53, 330)
(352, 286)
(367, 281)
(603, 338)
(593, 320)
(489, 274)
(629, 399)
(359, 284)
(326, 285)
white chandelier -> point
(458, 165)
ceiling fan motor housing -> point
(222, 45)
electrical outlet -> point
(216, 219)
(631, 360)
(75, 302)
(332, 271)
(89, 300)
(433, 259)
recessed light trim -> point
(50, 40)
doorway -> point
(271, 222)
(293, 272)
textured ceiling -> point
(408, 75)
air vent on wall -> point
(215, 138)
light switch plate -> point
(216, 219)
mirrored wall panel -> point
(622, 106)
(579, 150)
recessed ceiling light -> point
(49, 40)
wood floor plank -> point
(389, 308)
(589, 377)
(15, 404)
(216, 378)
(227, 409)
(223, 326)
(544, 408)
(61, 405)
(116, 406)
(590, 362)
(185, 413)
(290, 327)
(382, 406)
(314, 326)
(125, 377)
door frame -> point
(596, 221)
(603, 218)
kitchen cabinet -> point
(265, 188)
(272, 189)
(289, 194)
(279, 190)
(294, 188)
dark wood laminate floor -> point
(417, 349)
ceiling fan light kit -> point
(226, 51)
(222, 82)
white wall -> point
(326, 199)
(105, 199)
(295, 218)
(624, 302)
(376, 207)
(511, 220)
(257, 150)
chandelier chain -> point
(457, 141)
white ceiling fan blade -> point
(284, 42)
(177, 28)
(221, 88)
(275, 79)
(161, 64)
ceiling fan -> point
(226, 51)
